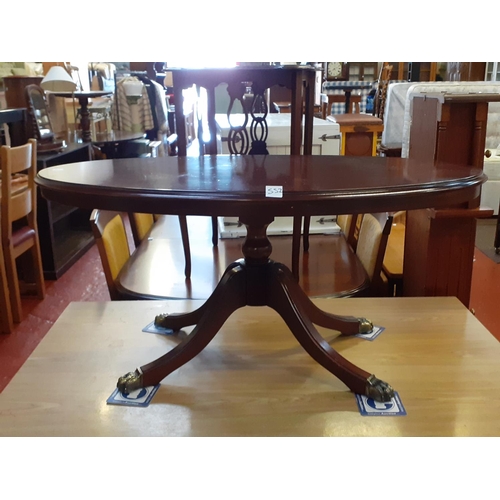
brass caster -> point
(378, 389)
(130, 382)
(160, 320)
(365, 325)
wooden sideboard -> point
(15, 119)
(65, 232)
(14, 89)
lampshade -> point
(169, 81)
(58, 80)
(132, 87)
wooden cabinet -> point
(465, 71)
(492, 72)
(14, 89)
(15, 119)
(65, 232)
(362, 71)
(414, 71)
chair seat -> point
(22, 235)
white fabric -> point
(121, 111)
(493, 126)
(394, 113)
(160, 107)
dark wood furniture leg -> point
(215, 232)
(85, 119)
(497, 233)
(347, 101)
(295, 149)
(185, 245)
(258, 281)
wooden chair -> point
(360, 272)
(381, 95)
(111, 239)
(6, 324)
(328, 99)
(349, 225)
(19, 221)
(373, 235)
(141, 224)
(392, 266)
(140, 274)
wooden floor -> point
(85, 282)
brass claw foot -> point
(378, 389)
(365, 325)
(160, 320)
(130, 382)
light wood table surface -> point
(254, 379)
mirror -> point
(39, 120)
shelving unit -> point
(65, 232)
(414, 71)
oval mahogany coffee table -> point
(257, 189)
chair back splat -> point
(372, 243)
(141, 224)
(111, 239)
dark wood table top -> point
(114, 136)
(236, 185)
(86, 94)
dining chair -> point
(349, 226)
(381, 94)
(328, 99)
(141, 224)
(359, 272)
(373, 235)
(141, 273)
(6, 324)
(19, 220)
(111, 240)
(392, 266)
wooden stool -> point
(359, 133)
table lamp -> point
(169, 80)
(57, 79)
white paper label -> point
(274, 191)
